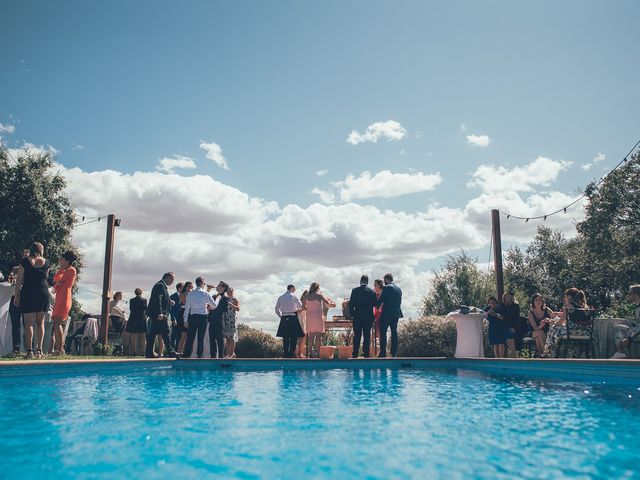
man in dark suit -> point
(391, 300)
(361, 304)
(159, 311)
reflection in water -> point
(317, 423)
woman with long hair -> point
(510, 310)
(573, 299)
(497, 327)
(63, 282)
(539, 316)
(32, 296)
(186, 288)
(315, 303)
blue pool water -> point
(158, 422)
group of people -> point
(183, 318)
(32, 300)
(179, 319)
(366, 308)
(548, 327)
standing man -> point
(216, 339)
(199, 302)
(175, 312)
(361, 304)
(159, 311)
(287, 308)
(391, 299)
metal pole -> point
(106, 281)
(497, 253)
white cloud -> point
(75, 147)
(419, 134)
(33, 149)
(391, 130)
(171, 164)
(7, 128)
(601, 157)
(463, 128)
(321, 173)
(199, 226)
(403, 151)
(479, 140)
(384, 184)
(214, 152)
(540, 172)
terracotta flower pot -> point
(344, 351)
(327, 352)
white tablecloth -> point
(206, 353)
(6, 342)
(469, 334)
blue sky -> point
(280, 85)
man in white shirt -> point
(198, 304)
(287, 308)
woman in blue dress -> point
(497, 327)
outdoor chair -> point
(580, 332)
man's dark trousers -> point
(385, 324)
(216, 340)
(158, 327)
(197, 326)
(361, 328)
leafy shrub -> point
(254, 343)
(431, 337)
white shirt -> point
(197, 301)
(287, 303)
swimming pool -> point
(151, 420)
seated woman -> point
(573, 299)
(497, 327)
(627, 334)
(510, 310)
(539, 318)
(116, 313)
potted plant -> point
(327, 352)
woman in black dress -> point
(186, 288)
(136, 326)
(32, 295)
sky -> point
(265, 143)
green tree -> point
(33, 207)
(548, 265)
(459, 282)
(611, 233)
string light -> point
(581, 197)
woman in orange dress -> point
(63, 282)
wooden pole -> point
(497, 253)
(106, 280)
